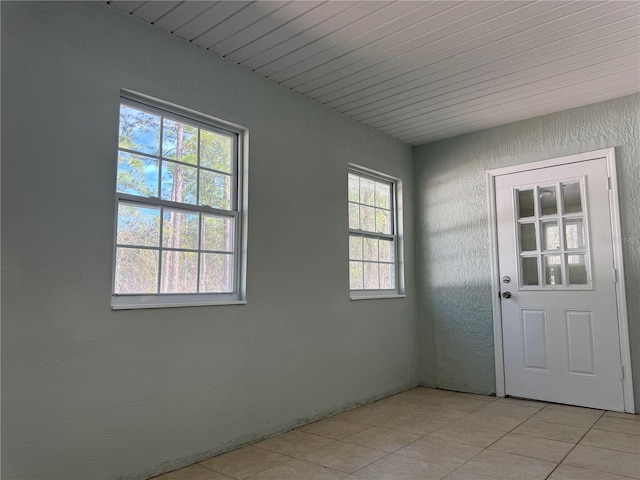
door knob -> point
(506, 295)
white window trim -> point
(398, 215)
(241, 172)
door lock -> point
(506, 279)
(506, 294)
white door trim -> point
(614, 207)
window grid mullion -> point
(198, 176)
(199, 250)
(161, 158)
(190, 207)
(366, 233)
(160, 264)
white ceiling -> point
(422, 70)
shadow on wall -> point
(455, 285)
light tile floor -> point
(426, 434)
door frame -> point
(614, 209)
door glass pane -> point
(552, 270)
(527, 237)
(577, 269)
(574, 233)
(571, 197)
(530, 271)
(550, 236)
(548, 201)
(525, 203)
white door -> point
(557, 283)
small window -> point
(375, 253)
(179, 209)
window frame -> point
(397, 235)
(238, 208)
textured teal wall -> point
(453, 269)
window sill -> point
(136, 303)
(377, 296)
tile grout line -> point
(576, 444)
(505, 434)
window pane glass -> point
(387, 276)
(371, 276)
(354, 188)
(367, 191)
(383, 195)
(136, 270)
(179, 182)
(354, 217)
(216, 151)
(139, 131)
(179, 272)
(571, 198)
(386, 250)
(138, 225)
(527, 237)
(530, 271)
(216, 273)
(525, 203)
(367, 218)
(383, 221)
(574, 233)
(552, 270)
(370, 249)
(355, 276)
(180, 229)
(137, 175)
(180, 142)
(217, 233)
(548, 201)
(355, 247)
(551, 236)
(215, 190)
(577, 270)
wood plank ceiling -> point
(420, 71)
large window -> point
(375, 266)
(179, 218)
